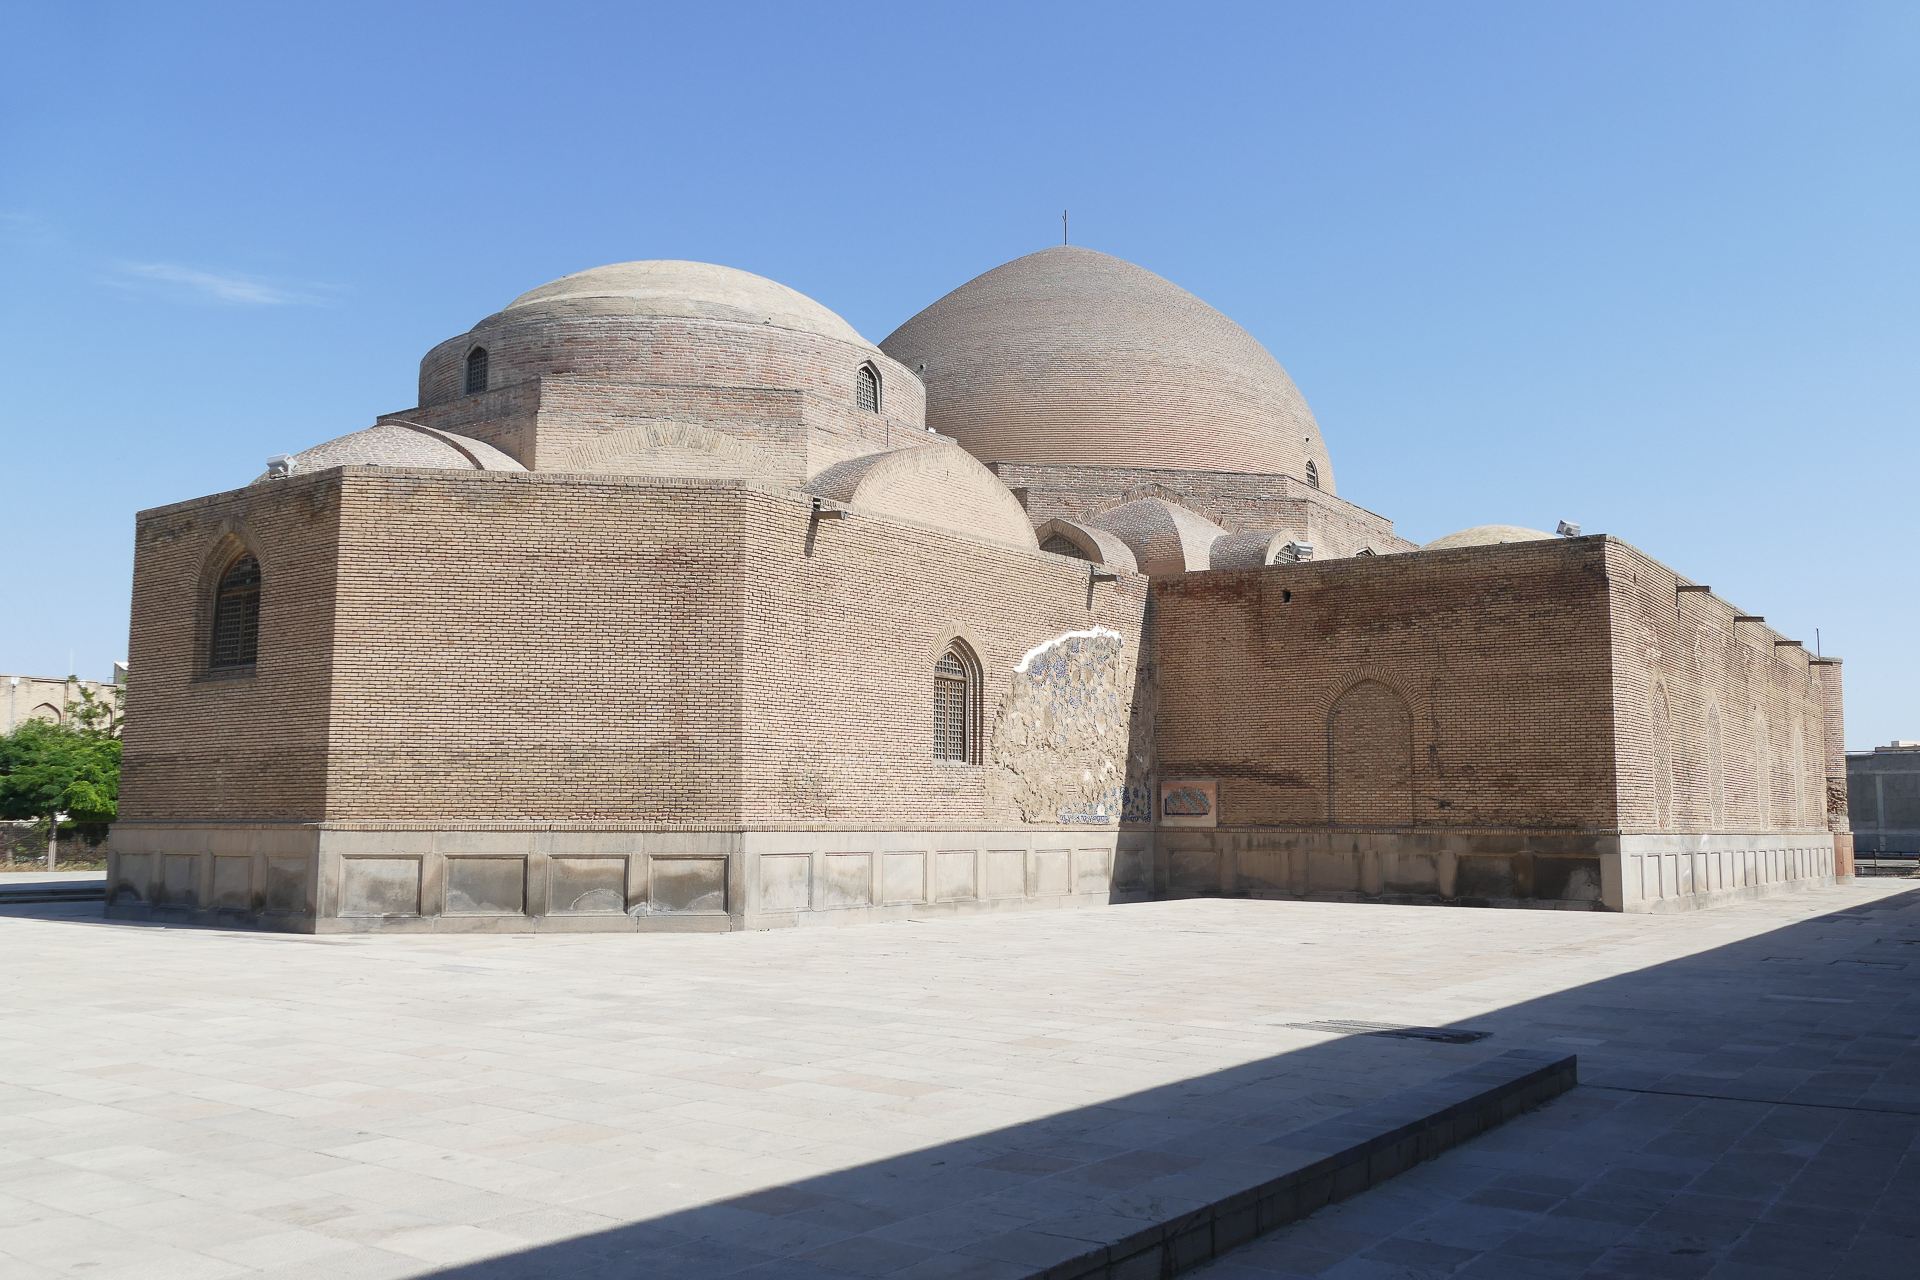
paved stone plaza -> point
(945, 1099)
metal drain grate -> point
(1346, 1027)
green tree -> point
(52, 768)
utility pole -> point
(1063, 226)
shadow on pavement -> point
(1821, 1014)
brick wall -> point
(1480, 676)
(249, 743)
(846, 631)
(509, 647)
(530, 647)
(1720, 729)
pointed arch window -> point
(866, 389)
(956, 699)
(236, 615)
(1313, 475)
(476, 370)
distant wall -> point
(1883, 794)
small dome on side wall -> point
(1084, 542)
(933, 484)
(1487, 535)
(395, 444)
(1164, 537)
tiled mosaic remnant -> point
(1060, 739)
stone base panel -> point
(315, 879)
(1668, 873)
(1574, 871)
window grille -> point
(476, 370)
(1061, 547)
(866, 389)
(955, 688)
(236, 615)
(1313, 475)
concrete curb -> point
(1291, 1177)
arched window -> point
(956, 695)
(866, 389)
(476, 370)
(236, 615)
(1313, 475)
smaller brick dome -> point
(1164, 537)
(668, 288)
(1486, 535)
(397, 444)
(932, 484)
(673, 324)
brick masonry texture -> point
(249, 743)
(1558, 685)
(497, 647)
(1070, 356)
(1491, 665)
(596, 358)
(1237, 502)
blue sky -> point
(1647, 267)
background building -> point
(1883, 798)
(675, 604)
(50, 698)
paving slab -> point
(938, 1098)
(1759, 1119)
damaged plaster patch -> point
(1098, 633)
(1060, 738)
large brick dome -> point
(1074, 357)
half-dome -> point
(400, 444)
(1072, 357)
(1486, 535)
(689, 290)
